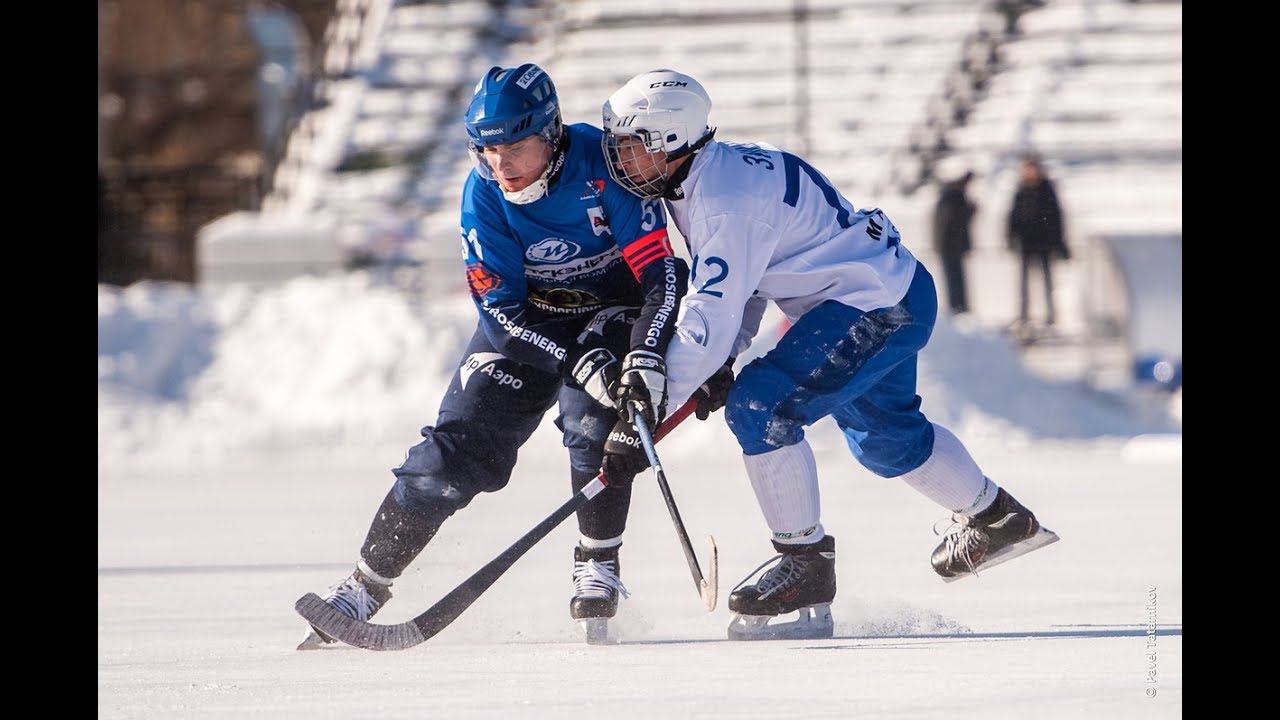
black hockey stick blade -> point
(370, 636)
(401, 636)
(328, 620)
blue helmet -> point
(511, 104)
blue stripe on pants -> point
(859, 367)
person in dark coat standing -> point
(951, 219)
(1035, 229)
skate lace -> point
(352, 598)
(961, 540)
(775, 578)
(597, 579)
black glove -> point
(623, 454)
(597, 372)
(644, 381)
(713, 393)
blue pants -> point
(858, 367)
(492, 406)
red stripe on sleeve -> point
(646, 249)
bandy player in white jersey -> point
(762, 224)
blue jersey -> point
(538, 272)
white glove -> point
(644, 381)
(597, 372)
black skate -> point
(1000, 533)
(357, 596)
(804, 580)
(596, 586)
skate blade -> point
(314, 640)
(1043, 537)
(596, 631)
(814, 623)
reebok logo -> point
(621, 437)
(491, 132)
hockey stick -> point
(371, 636)
(708, 588)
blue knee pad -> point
(896, 454)
(760, 410)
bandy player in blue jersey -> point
(576, 288)
(763, 224)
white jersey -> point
(763, 224)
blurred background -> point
(279, 183)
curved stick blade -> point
(711, 584)
(354, 632)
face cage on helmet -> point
(651, 142)
(551, 133)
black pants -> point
(1043, 260)
(957, 293)
(491, 408)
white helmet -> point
(665, 111)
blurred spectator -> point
(1011, 10)
(951, 219)
(1035, 229)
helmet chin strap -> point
(536, 190)
(671, 189)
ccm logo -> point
(669, 83)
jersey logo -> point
(575, 269)
(595, 188)
(692, 325)
(617, 312)
(481, 281)
(474, 362)
(484, 362)
(552, 250)
(599, 225)
(568, 301)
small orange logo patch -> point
(481, 281)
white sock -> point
(786, 485)
(593, 544)
(951, 478)
(368, 572)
